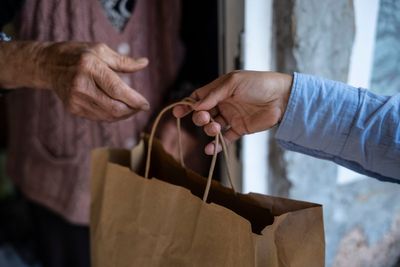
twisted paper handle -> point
(218, 138)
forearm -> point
(20, 65)
(347, 125)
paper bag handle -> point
(218, 138)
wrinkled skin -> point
(83, 75)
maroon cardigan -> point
(49, 148)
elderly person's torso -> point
(49, 148)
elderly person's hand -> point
(241, 102)
(83, 75)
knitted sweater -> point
(49, 148)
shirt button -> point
(129, 143)
(124, 49)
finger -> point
(212, 99)
(211, 94)
(118, 62)
(199, 95)
(212, 129)
(114, 87)
(121, 63)
(101, 115)
(209, 149)
(97, 99)
(231, 135)
(181, 111)
(115, 110)
(201, 118)
(93, 114)
(203, 91)
(221, 121)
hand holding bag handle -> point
(218, 138)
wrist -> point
(286, 89)
(19, 65)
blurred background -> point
(357, 42)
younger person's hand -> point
(239, 103)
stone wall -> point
(361, 218)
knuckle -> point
(75, 82)
(124, 61)
(195, 95)
(85, 61)
(100, 47)
(78, 85)
(234, 76)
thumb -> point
(118, 62)
(121, 63)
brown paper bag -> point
(163, 221)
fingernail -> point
(209, 149)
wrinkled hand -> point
(85, 78)
(241, 102)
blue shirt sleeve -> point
(350, 126)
